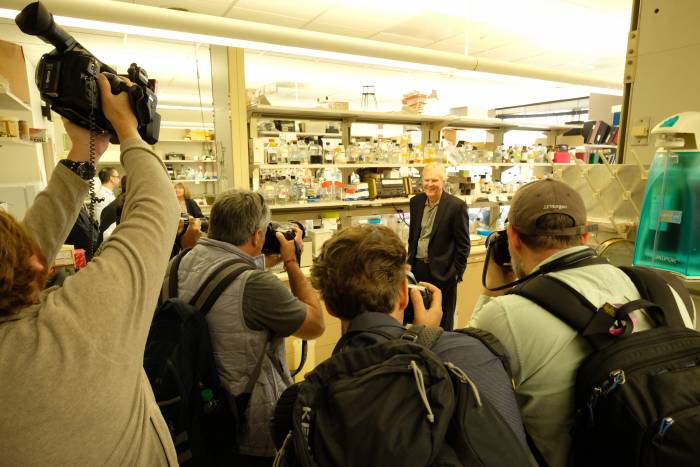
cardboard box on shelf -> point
(14, 70)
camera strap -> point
(573, 260)
(91, 86)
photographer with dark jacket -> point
(74, 391)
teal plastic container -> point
(669, 227)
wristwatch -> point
(83, 169)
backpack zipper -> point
(462, 376)
(664, 338)
(619, 377)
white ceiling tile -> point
(432, 27)
(509, 52)
(352, 18)
(448, 46)
(210, 7)
(306, 9)
(340, 30)
(265, 17)
(400, 39)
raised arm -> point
(54, 211)
(112, 300)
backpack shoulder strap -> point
(348, 336)
(492, 343)
(422, 335)
(169, 288)
(559, 299)
(217, 282)
(653, 286)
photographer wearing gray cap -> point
(546, 235)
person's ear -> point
(514, 242)
(404, 297)
(584, 238)
(258, 238)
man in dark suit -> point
(438, 240)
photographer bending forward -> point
(73, 389)
(253, 315)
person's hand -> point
(496, 276)
(117, 109)
(190, 237)
(287, 248)
(80, 140)
(433, 315)
(298, 236)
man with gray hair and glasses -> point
(253, 315)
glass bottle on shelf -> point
(339, 157)
(315, 153)
(269, 191)
(429, 152)
(303, 151)
(283, 157)
(382, 151)
(352, 154)
(294, 154)
(300, 190)
(283, 188)
(313, 191)
(418, 154)
(411, 154)
(328, 154)
(272, 152)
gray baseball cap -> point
(548, 196)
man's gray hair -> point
(236, 215)
(436, 167)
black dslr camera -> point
(424, 293)
(272, 245)
(497, 243)
(67, 79)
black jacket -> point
(193, 209)
(449, 244)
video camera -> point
(272, 245)
(67, 79)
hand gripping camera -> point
(67, 79)
(272, 245)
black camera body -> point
(67, 79)
(272, 244)
(425, 293)
(497, 242)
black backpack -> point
(202, 417)
(391, 404)
(637, 394)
